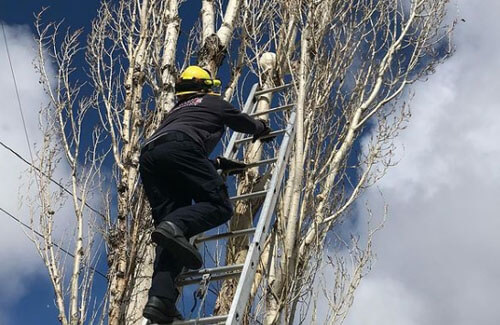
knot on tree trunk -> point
(211, 53)
(138, 76)
(122, 187)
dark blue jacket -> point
(203, 118)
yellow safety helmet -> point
(194, 80)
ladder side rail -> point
(250, 100)
(249, 104)
(247, 277)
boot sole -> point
(187, 256)
(155, 316)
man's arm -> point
(242, 122)
(239, 121)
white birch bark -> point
(288, 262)
(215, 44)
(171, 15)
(225, 32)
(134, 83)
(207, 19)
(145, 251)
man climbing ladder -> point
(175, 170)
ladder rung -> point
(233, 233)
(248, 195)
(272, 110)
(272, 134)
(270, 90)
(204, 320)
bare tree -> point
(350, 63)
(61, 149)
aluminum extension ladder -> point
(246, 271)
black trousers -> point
(175, 171)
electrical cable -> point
(50, 178)
(41, 236)
(17, 92)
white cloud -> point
(440, 249)
(20, 262)
(386, 302)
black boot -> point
(171, 238)
(161, 310)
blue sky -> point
(438, 257)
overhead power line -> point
(52, 243)
(15, 153)
(17, 91)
